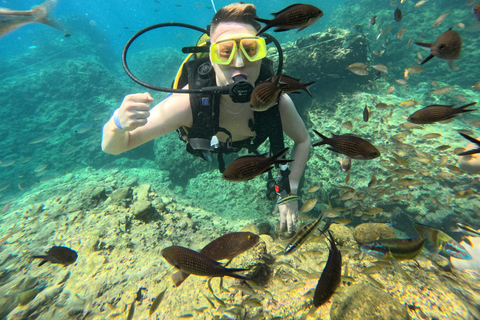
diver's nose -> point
(239, 59)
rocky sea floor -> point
(118, 225)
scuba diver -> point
(236, 56)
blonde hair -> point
(235, 12)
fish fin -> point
(300, 29)
(264, 28)
(422, 44)
(284, 9)
(280, 153)
(41, 12)
(306, 88)
(324, 139)
(470, 152)
(267, 169)
(427, 59)
(471, 139)
(45, 259)
(464, 108)
(266, 21)
(42, 263)
(280, 29)
(238, 276)
(178, 278)
(452, 66)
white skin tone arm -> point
(294, 127)
(141, 124)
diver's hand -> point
(134, 111)
(288, 215)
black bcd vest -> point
(199, 73)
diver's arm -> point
(294, 127)
(165, 117)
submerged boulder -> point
(366, 302)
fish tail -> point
(231, 273)
(266, 21)
(238, 276)
(279, 154)
(42, 13)
(471, 139)
(470, 152)
(324, 139)
(306, 88)
(330, 238)
(39, 257)
(464, 108)
(267, 26)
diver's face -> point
(239, 64)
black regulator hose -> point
(221, 90)
(138, 34)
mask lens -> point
(222, 52)
(253, 48)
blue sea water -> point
(99, 32)
(57, 92)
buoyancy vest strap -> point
(268, 124)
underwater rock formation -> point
(366, 302)
(324, 57)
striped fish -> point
(400, 249)
(442, 241)
(349, 145)
(302, 235)
(248, 167)
(437, 112)
(266, 94)
(296, 16)
(288, 198)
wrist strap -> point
(117, 120)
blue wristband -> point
(117, 120)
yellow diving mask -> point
(223, 52)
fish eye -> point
(441, 47)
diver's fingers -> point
(138, 122)
(275, 210)
(290, 219)
(138, 106)
(294, 218)
(138, 97)
(141, 115)
(282, 220)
